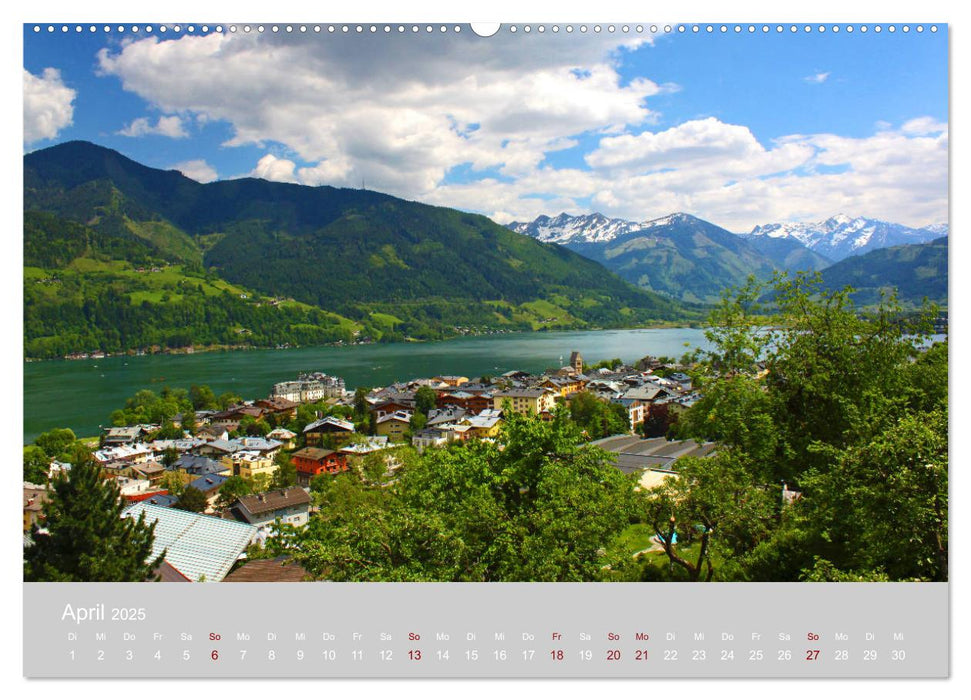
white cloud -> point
(923, 126)
(198, 170)
(48, 105)
(171, 126)
(275, 169)
(817, 78)
(401, 112)
(375, 108)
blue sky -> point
(738, 128)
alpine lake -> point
(81, 394)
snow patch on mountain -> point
(841, 236)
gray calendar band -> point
(486, 630)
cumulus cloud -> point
(275, 169)
(48, 105)
(171, 126)
(376, 108)
(816, 78)
(403, 112)
(198, 170)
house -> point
(389, 407)
(133, 454)
(443, 416)
(209, 485)
(192, 466)
(291, 506)
(485, 425)
(126, 435)
(136, 490)
(201, 547)
(429, 437)
(563, 386)
(471, 402)
(394, 425)
(525, 401)
(248, 464)
(337, 428)
(285, 437)
(212, 432)
(450, 379)
(311, 461)
(284, 409)
(35, 496)
(309, 388)
(152, 472)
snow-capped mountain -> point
(677, 255)
(841, 236)
(592, 228)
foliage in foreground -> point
(848, 410)
(84, 537)
(540, 509)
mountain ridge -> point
(396, 269)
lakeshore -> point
(80, 394)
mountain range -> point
(692, 260)
(841, 236)
(119, 255)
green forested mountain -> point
(680, 256)
(787, 253)
(915, 271)
(228, 255)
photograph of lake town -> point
(386, 304)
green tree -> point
(232, 490)
(85, 537)
(192, 499)
(425, 399)
(849, 409)
(596, 418)
(540, 508)
(715, 507)
(285, 474)
(36, 464)
(55, 442)
(202, 397)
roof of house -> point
(197, 545)
(520, 393)
(163, 500)
(634, 453)
(270, 501)
(282, 569)
(209, 482)
(196, 464)
(330, 422)
(35, 498)
(316, 454)
(399, 416)
(281, 434)
(169, 574)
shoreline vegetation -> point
(242, 347)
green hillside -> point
(914, 271)
(355, 263)
(684, 257)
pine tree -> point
(84, 537)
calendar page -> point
(514, 350)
